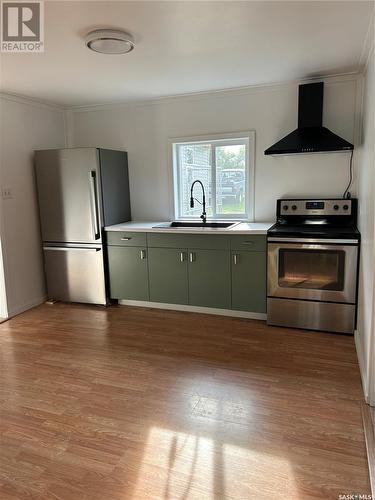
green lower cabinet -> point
(209, 278)
(168, 274)
(249, 281)
(189, 269)
(128, 272)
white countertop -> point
(148, 227)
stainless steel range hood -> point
(310, 136)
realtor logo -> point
(22, 26)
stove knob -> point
(285, 207)
(335, 207)
(294, 207)
(345, 207)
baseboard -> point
(361, 362)
(368, 418)
(14, 311)
(196, 309)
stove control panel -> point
(316, 207)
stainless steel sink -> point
(192, 224)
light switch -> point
(6, 193)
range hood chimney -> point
(310, 136)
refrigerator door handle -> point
(94, 205)
(69, 249)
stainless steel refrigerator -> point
(80, 191)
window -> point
(224, 165)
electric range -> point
(312, 273)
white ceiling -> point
(184, 47)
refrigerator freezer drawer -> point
(75, 274)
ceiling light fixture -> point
(108, 41)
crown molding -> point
(30, 101)
(231, 92)
(188, 97)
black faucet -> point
(204, 215)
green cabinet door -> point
(249, 281)
(128, 273)
(168, 275)
(209, 278)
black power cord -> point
(347, 193)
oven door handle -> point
(319, 241)
(318, 247)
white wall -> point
(24, 126)
(365, 339)
(143, 130)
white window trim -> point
(249, 136)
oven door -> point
(312, 271)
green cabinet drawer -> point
(168, 275)
(251, 243)
(126, 239)
(249, 281)
(209, 278)
(166, 240)
(128, 273)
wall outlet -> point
(6, 193)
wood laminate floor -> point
(130, 403)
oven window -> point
(312, 269)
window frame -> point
(248, 138)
